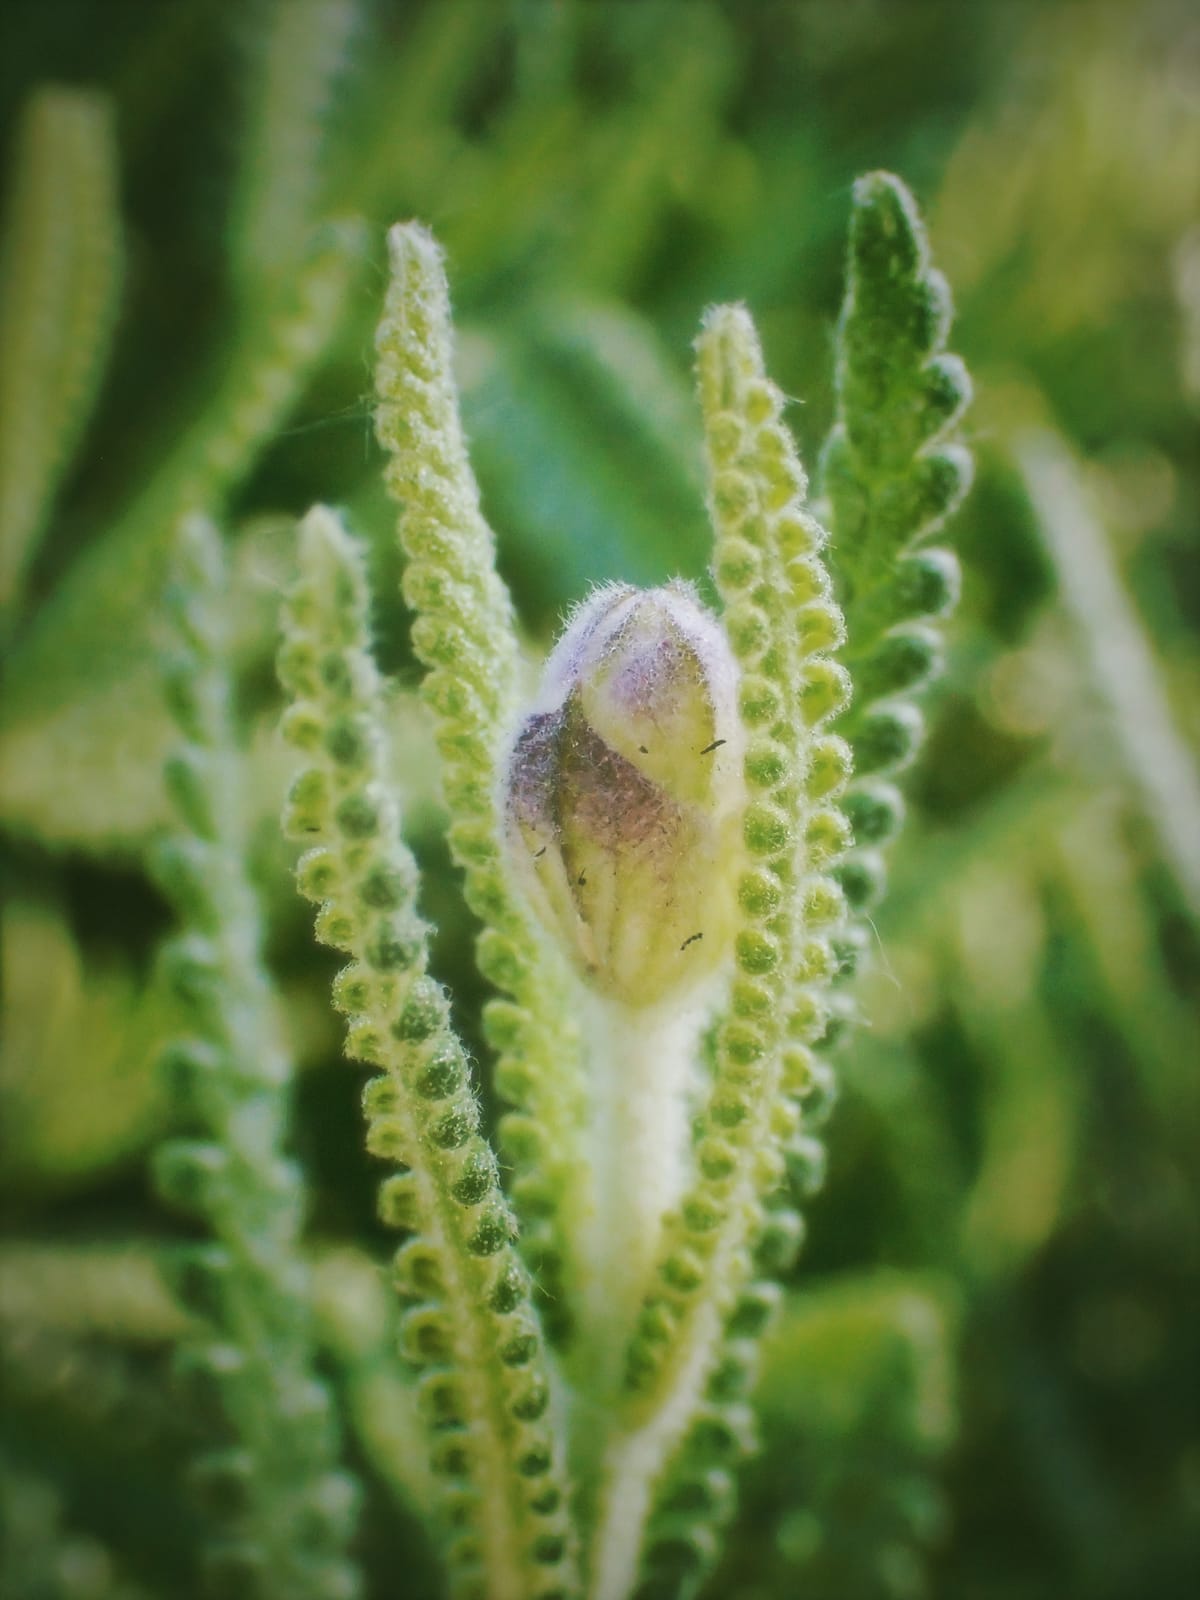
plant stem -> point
(640, 1093)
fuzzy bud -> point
(623, 792)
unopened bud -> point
(623, 792)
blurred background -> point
(985, 1381)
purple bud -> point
(623, 792)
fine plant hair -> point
(282, 1510)
(485, 1389)
(891, 473)
(670, 849)
(697, 1098)
(583, 1303)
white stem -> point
(642, 1064)
(634, 1466)
(643, 1075)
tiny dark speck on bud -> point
(538, 854)
(581, 879)
(693, 937)
(643, 749)
(715, 745)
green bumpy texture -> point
(283, 1510)
(694, 1350)
(469, 1329)
(890, 477)
(783, 625)
(464, 635)
(891, 473)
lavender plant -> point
(664, 845)
(283, 1511)
(595, 1366)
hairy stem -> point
(485, 1389)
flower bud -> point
(623, 792)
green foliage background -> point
(984, 1383)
